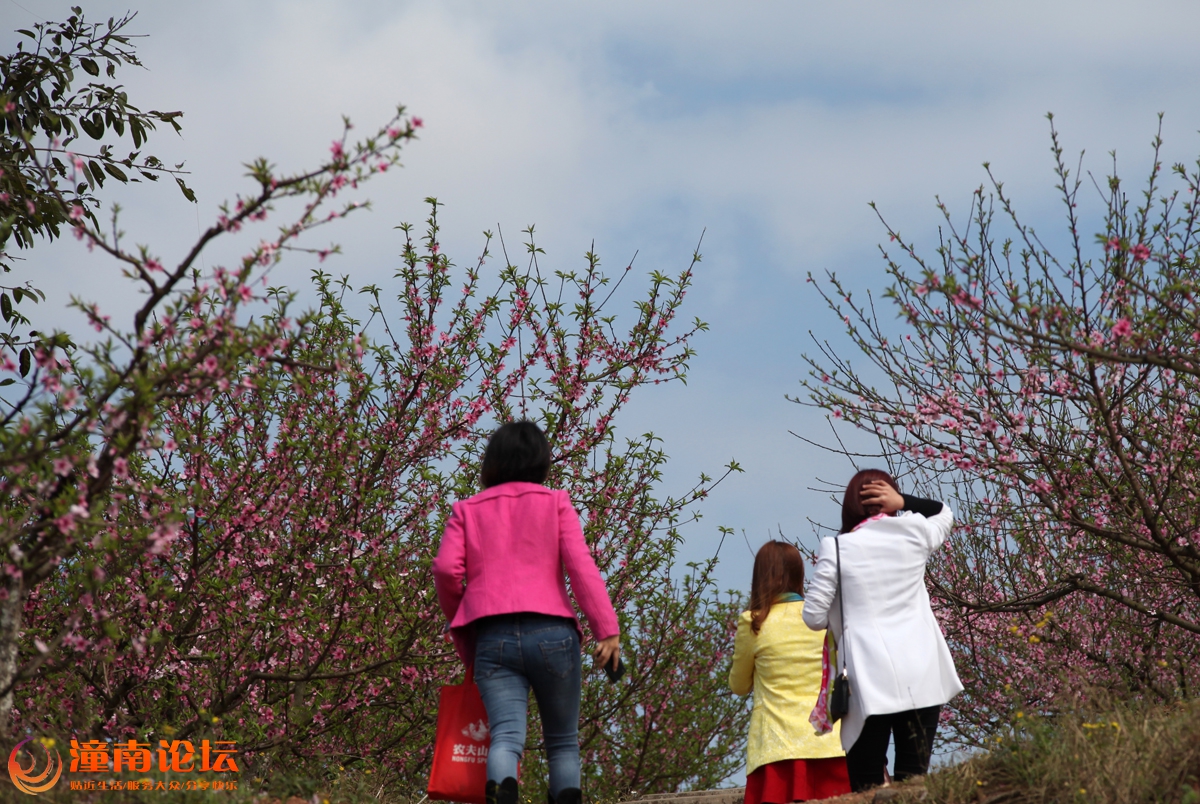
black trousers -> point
(913, 730)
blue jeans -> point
(516, 652)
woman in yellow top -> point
(778, 657)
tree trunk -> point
(11, 609)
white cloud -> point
(639, 124)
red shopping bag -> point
(459, 771)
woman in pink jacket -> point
(499, 579)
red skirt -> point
(797, 780)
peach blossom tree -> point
(1050, 395)
(219, 515)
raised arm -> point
(919, 505)
(939, 519)
(881, 496)
(940, 526)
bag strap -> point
(469, 678)
(841, 610)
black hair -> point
(517, 451)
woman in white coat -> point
(899, 666)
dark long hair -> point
(853, 511)
(517, 451)
(778, 568)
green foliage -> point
(48, 175)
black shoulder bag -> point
(839, 698)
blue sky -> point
(768, 125)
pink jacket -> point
(504, 551)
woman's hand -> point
(878, 496)
(608, 651)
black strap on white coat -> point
(841, 610)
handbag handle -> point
(841, 610)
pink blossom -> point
(1140, 252)
(417, 122)
(76, 212)
(161, 539)
(1122, 328)
(267, 252)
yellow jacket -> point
(782, 665)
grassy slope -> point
(1115, 753)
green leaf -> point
(97, 173)
(24, 360)
(115, 172)
(5, 306)
(6, 381)
(187, 191)
(94, 130)
(90, 66)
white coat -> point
(895, 654)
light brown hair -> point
(778, 568)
